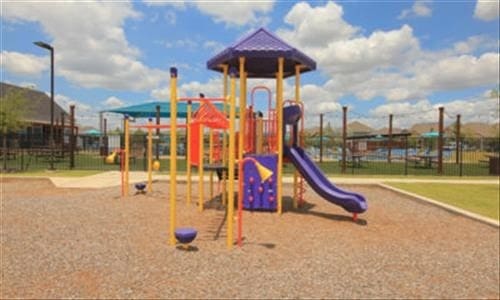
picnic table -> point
(356, 159)
(427, 159)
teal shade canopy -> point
(148, 110)
(430, 134)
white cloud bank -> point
(419, 9)
(23, 64)
(229, 12)
(487, 10)
(389, 64)
(99, 55)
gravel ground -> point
(76, 243)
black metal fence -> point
(377, 156)
(409, 156)
(89, 152)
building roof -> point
(358, 128)
(478, 129)
(39, 104)
(385, 130)
(261, 50)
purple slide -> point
(352, 202)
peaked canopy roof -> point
(148, 110)
(211, 117)
(261, 50)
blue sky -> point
(400, 57)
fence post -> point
(389, 145)
(440, 141)
(461, 156)
(406, 154)
(321, 138)
(457, 139)
(72, 137)
(344, 137)
(62, 135)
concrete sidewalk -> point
(112, 178)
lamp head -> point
(44, 45)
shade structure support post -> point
(441, 140)
(72, 137)
(127, 154)
(389, 145)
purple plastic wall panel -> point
(260, 196)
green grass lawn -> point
(482, 199)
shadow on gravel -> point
(306, 209)
(187, 248)
(265, 245)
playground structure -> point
(263, 145)
(261, 138)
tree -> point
(13, 108)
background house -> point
(37, 117)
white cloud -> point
(113, 102)
(230, 12)
(389, 64)
(161, 93)
(236, 12)
(170, 17)
(316, 26)
(419, 9)
(85, 115)
(487, 10)
(186, 43)
(23, 64)
(213, 46)
(480, 108)
(92, 53)
(382, 49)
(458, 72)
(179, 4)
(475, 43)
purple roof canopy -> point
(261, 50)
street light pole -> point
(51, 137)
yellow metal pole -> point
(173, 152)
(243, 93)
(279, 113)
(188, 161)
(200, 171)
(230, 197)
(150, 156)
(224, 135)
(211, 160)
(127, 153)
(296, 173)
